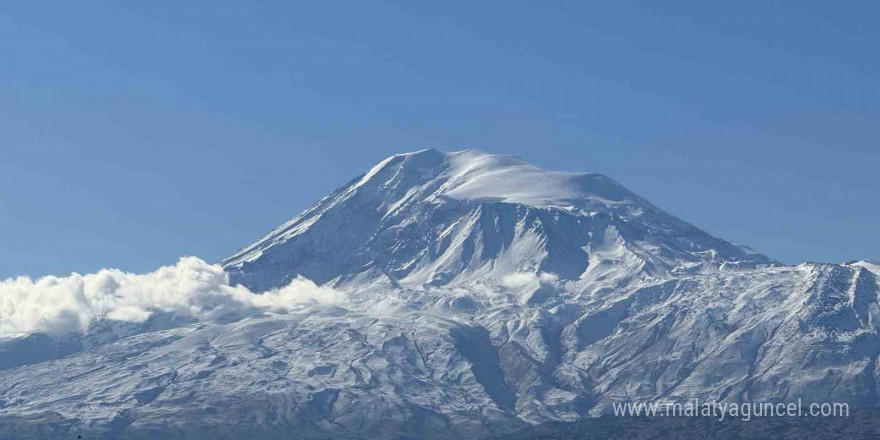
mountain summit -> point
(430, 217)
(477, 294)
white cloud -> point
(191, 287)
(521, 280)
(547, 277)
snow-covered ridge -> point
(477, 294)
(873, 266)
(435, 206)
(477, 176)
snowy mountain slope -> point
(482, 294)
(429, 217)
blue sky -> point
(135, 132)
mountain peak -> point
(476, 176)
(432, 218)
(473, 292)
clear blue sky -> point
(135, 132)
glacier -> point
(480, 295)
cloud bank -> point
(192, 287)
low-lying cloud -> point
(522, 280)
(192, 287)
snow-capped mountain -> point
(481, 294)
(431, 218)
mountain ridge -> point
(407, 186)
(478, 295)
